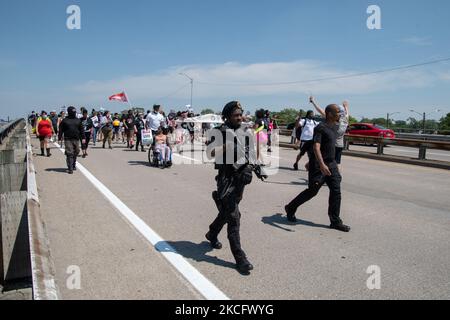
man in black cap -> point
(71, 128)
(322, 169)
(232, 178)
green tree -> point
(444, 123)
(400, 124)
(288, 115)
(352, 120)
(413, 123)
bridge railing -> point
(381, 142)
(24, 248)
(4, 131)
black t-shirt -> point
(87, 124)
(129, 122)
(326, 136)
(140, 125)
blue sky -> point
(141, 45)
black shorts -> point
(338, 154)
(42, 138)
(305, 147)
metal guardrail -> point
(380, 142)
(428, 137)
(4, 132)
(422, 145)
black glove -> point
(260, 173)
(246, 175)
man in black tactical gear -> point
(233, 176)
(71, 128)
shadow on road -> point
(139, 163)
(303, 182)
(59, 170)
(279, 221)
(195, 251)
(291, 169)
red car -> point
(369, 129)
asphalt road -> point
(399, 215)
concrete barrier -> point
(24, 246)
(42, 266)
(14, 232)
(14, 240)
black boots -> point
(48, 152)
(340, 226)
(290, 214)
(71, 164)
(214, 242)
(243, 265)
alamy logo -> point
(374, 20)
(73, 282)
(74, 20)
(374, 281)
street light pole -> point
(387, 118)
(192, 84)
(423, 126)
(424, 115)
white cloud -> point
(418, 41)
(210, 81)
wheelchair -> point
(155, 158)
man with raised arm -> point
(323, 169)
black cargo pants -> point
(229, 213)
(316, 181)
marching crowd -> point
(321, 141)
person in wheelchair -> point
(162, 152)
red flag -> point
(119, 97)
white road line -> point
(206, 288)
(189, 158)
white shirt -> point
(308, 129)
(154, 120)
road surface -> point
(399, 215)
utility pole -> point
(423, 126)
(424, 115)
(192, 84)
(387, 118)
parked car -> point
(372, 130)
